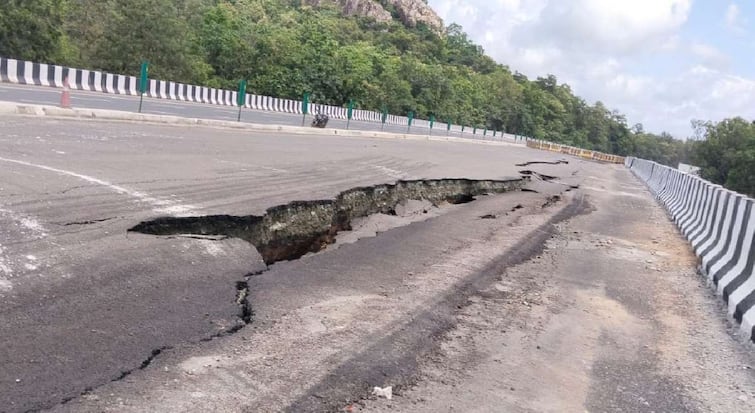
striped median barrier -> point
(40, 74)
(720, 226)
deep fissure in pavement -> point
(559, 162)
(544, 177)
(287, 232)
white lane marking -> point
(4, 268)
(45, 89)
(59, 152)
(393, 173)
(5, 273)
(34, 101)
(263, 167)
(161, 206)
(56, 91)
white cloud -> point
(709, 55)
(733, 19)
(670, 44)
(702, 93)
(615, 26)
(630, 54)
(732, 14)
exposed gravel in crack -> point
(289, 231)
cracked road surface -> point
(611, 317)
(83, 302)
(449, 310)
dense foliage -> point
(284, 49)
(726, 154)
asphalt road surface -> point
(84, 302)
(96, 100)
(95, 318)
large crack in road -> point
(348, 381)
(287, 232)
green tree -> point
(149, 30)
(31, 30)
(727, 154)
(222, 37)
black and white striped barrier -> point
(720, 226)
(40, 74)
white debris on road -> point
(386, 392)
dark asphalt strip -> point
(393, 359)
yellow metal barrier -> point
(574, 151)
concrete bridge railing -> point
(720, 226)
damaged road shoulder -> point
(393, 359)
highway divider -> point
(13, 108)
(720, 226)
(40, 74)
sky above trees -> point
(661, 62)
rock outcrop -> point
(410, 12)
(367, 8)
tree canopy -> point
(726, 155)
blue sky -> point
(662, 63)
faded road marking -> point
(393, 173)
(5, 273)
(158, 205)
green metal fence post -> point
(304, 107)
(349, 113)
(241, 97)
(143, 82)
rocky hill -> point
(410, 12)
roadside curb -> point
(12, 108)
